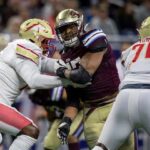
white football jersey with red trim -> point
(12, 57)
(137, 63)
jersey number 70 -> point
(139, 48)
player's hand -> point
(63, 129)
(59, 66)
(61, 72)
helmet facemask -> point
(69, 25)
(68, 34)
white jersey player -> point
(131, 109)
(21, 64)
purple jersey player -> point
(89, 58)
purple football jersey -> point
(105, 80)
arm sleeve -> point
(80, 75)
(72, 97)
(48, 65)
(30, 73)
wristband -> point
(67, 120)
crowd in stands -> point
(114, 17)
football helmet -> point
(144, 30)
(69, 25)
(36, 30)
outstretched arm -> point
(30, 73)
(88, 65)
(50, 65)
(73, 104)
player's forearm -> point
(41, 81)
(48, 65)
(71, 112)
(79, 75)
(30, 73)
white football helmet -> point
(73, 20)
(36, 30)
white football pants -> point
(131, 110)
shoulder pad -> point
(28, 50)
(95, 40)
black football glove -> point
(64, 129)
(61, 72)
(60, 68)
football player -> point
(21, 64)
(89, 57)
(131, 109)
(54, 101)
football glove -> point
(61, 72)
(64, 129)
(59, 64)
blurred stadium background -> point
(119, 19)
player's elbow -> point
(33, 82)
(32, 85)
(80, 76)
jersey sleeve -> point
(31, 74)
(95, 41)
(24, 51)
(48, 65)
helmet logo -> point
(30, 27)
(37, 27)
(74, 14)
(36, 30)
